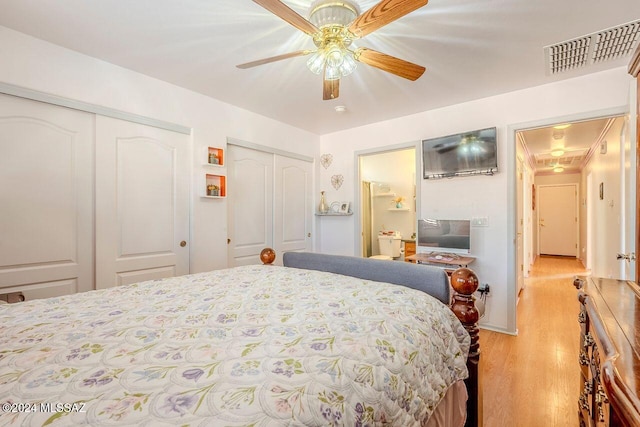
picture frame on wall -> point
(602, 191)
(533, 197)
(344, 208)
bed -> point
(256, 345)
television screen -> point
(440, 235)
(464, 153)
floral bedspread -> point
(247, 346)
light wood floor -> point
(533, 379)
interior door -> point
(142, 203)
(634, 70)
(292, 206)
(250, 204)
(46, 205)
(628, 151)
(519, 226)
(558, 216)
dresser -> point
(609, 358)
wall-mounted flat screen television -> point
(461, 154)
(444, 235)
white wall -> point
(605, 230)
(44, 67)
(464, 197)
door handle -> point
(183, 244)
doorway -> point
(386, 190)
(584, 153)
(558, 220)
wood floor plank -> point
(533, 379)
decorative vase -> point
(399, 205)
(323, 207)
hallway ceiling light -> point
(562, 126)
(558, 168)
(557, 152)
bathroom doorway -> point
(387, 195)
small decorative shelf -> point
(215, 156)
(334, 214)
(215, 186)
(385, 195)
(399, 209)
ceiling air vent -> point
(593, 48)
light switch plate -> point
(480, 221)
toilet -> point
(390, 243)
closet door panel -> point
(293, 205)
(250, 204)
(142, 203)
(46, 209)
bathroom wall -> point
(397, 170)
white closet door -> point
(293, 206)
(249, 203)
(142, 203)
(46, 206)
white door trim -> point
(512, 129)
(266, 149)
(356, 208)
(35, 95)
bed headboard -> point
(431, 280)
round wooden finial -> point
(464, 281)
(267, 256)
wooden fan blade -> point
(274, 59)
(383, 13)
(330, 89)
(291, 16)
(389, 63)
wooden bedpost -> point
(267, 256)
(465, 282)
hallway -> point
(533, 379)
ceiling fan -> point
(333, 25)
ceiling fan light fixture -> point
(334, 55)
(348, 65)
(335, 60)
(316, 62)
(331, 72)
(332, 12)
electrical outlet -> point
(484, 288)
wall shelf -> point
(385, 195)
(399, 209)
(334, 214)
(215, 184)
(215, 157)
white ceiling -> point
(471, 48)
(577, 141)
